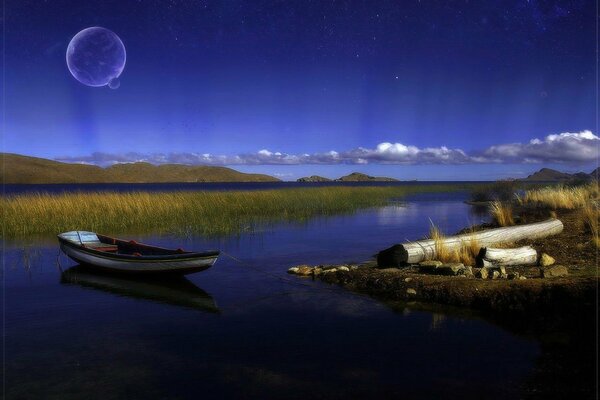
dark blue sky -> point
(230, 78)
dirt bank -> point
(560, 313)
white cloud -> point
(565, 147)
(575, 148)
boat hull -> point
(142, 266)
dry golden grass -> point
(502, 213)
(465, 254)
(560, 197)
(589, 216)
(580, 198)
(441, 251)
(205, 213)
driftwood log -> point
(414, 252)
(520, 256)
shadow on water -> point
(565, 366)
(176, 290)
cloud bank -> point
(573, 148)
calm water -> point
(247, 329)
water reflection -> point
(480, 210)
(395, 213)
(176, 291)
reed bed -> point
(561, 197)
(204, 213)
(502, 213)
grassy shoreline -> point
(558, 312)
(205, 213)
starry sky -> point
(431, 90)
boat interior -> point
(109, 244)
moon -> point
(96, 56)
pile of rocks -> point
(490, 271)
(439, 268)
(307, 270)
(547, 269)
(497, 272)
(458, 269)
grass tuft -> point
(589, 217)
(502, 213)
(465, 253)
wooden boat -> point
(111, 254)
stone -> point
(408, 279)
(431, 263)
(293, 270)
(411, 291)
(343, 268)
(484, 272)
(328, 267)
(317, 271)
(513, 275)
(353, 267)
(304, 270)
(546, 260)
(327, 271)
(451, 269)
(555, 271)
(429, 267)
(522, 278)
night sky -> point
(413, 89)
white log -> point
(525, 255)
(414, 252)
(484, 263)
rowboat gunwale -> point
(170, 261)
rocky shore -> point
(553, 302)
(564, 278)
(517, 291)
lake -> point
(245, 328)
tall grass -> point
(503, 190)
(502, 213)
(589, 216)
(465, 253)
(561, 197)
(583, 199)
(205, 213)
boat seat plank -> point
(102, 246)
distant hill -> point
(16, 168)
(548, 175)
(552, 175)
(313, 178)
(358, 177)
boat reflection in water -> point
(175, 290)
